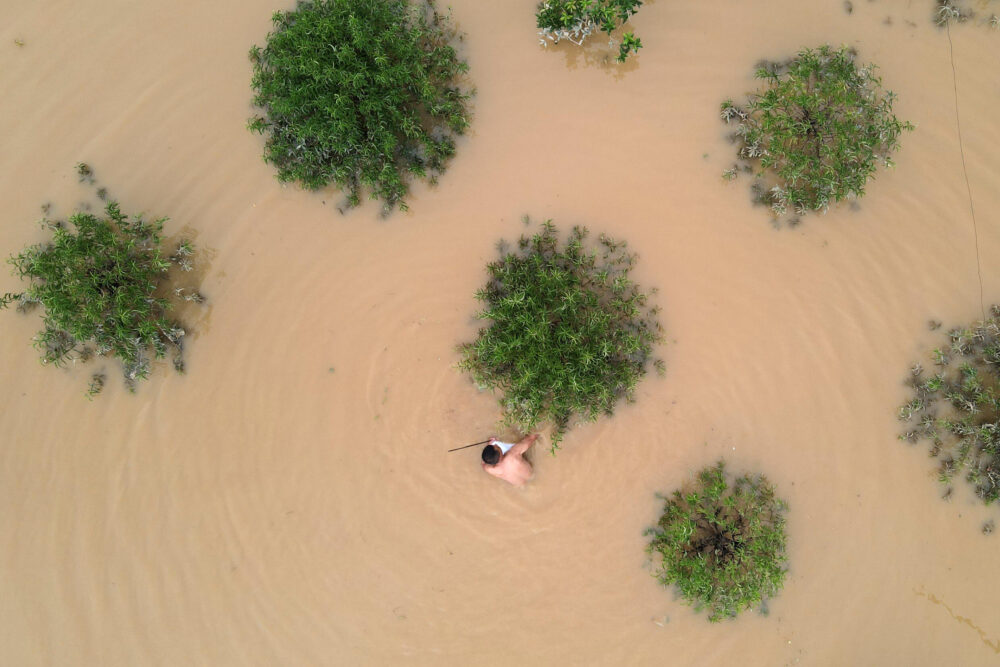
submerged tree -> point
(570, 333)
(576, 20)
(816, 132)
(956, 407)
(721, 542)
(361, 93)
(97, 281)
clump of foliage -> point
(721, 542)
(97, 281)
(947, 11)
(956, 407)
(360, 93)
(575, 20)
(569, 333)
(816, 132)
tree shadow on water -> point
(595, 52)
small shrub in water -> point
(96, 281)
(575, 20)
(816, 132)
(959, 11)
(569, 332)
(956, 407)
(721, 542)
(360, 93)
(945, 11)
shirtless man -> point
(507, 461)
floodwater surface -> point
(289, 500)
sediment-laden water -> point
(289, 500)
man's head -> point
(491, 455)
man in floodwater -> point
(507, 461)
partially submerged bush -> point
(569, 333)
(97, 282)
(956, 407)
(575, 20)
(948, 11)
(360, 93)
(721, 542)
(816, 132)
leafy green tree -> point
(97, 281)
(575, 20)
(956, 408)
(361, 93)
(817, 130)
(569, 333)
(721, 542)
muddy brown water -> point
(289, 501)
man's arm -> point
(522, 446)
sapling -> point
(947, 12)
(84, 172)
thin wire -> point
(965, 169)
